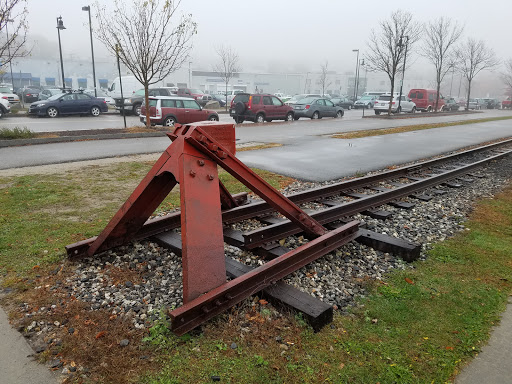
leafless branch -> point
(472, 57)
(506, 75)
(151, 39)
(388, 45)
(324, 81)
(227, 66)
(13, 28)
(441, 35)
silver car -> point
(382, 104)
(365, 102)
(316, 108)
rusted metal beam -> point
(203, 308)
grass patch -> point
(16, 133)
(409, 128)
(261, 146)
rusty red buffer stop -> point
(191, 161)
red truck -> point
(506, 103)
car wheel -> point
(429, 109)
(339, 114)
(368, 106)
(442, 109)
(289, 116)
(95, 111)
(52, 112)
(136, 109)
(295, 118)
(259, 118)
(377, 112)
(169, 122)
(399, 110)
(316, 115)
(413, 110)
(1, 112)
(213, 118)
(349, 107)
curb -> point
(64, 139)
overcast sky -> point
(282, 35)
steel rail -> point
(285, 228)
(260, 208)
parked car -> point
(190, 92)
(5, 107)
(296, 98)
(475, 104)
(259, 108)
(343, 102)
(204, 100)
(46, 93)
(132, 104)
(6, 93)
(220, 98)
(507, 103)
(69, 103)
(398, 104)
(451, 104)
(425, 99)
(169, 110)
(491, 103)
(366, 101)
(28, 94)
(316, 108)
(101, 95)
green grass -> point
(16, 133)
(409, 128)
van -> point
(130, 86)
(425, 99)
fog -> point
(276, 36)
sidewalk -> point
(17, 366)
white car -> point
(5, 91)
(382, 104)
(101, 95)
(5, 107)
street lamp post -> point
(400, 44)
(451, 82)
(88, 9)
(118, 48)
(60, 25)
(355, 77)
(358, 75)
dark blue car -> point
(70, 103)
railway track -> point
(332, 206)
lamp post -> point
(452, 65)
(9, 51)
(60, 25)
(355, 77)
(400, 44)
(358, 73)
(118, 48)
(190, 75)
(88, 9)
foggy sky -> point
(282, 36)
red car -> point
(259, 108)
(425, 99)
(169, 110)
(190, 92)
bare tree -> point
(13, 27)
(472, 57)
(388, 46)
(151, 40)
(506, 76)
(227, 67)
(441, 35)
(323, 80)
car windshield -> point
(308, 100)
(366, 98)
(5, 90)
(139, 92)
(195, 91)
(55, 97)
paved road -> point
(302, 141)
(104, 121)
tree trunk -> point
(391, 99)
(146, 101)
(469, 93)
(437, 96)
(226, 96)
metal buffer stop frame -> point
(191, 161)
